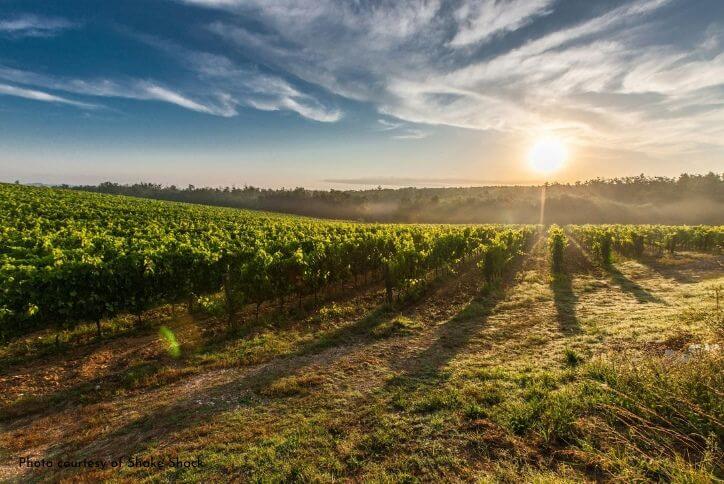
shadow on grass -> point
(95, 390)
(196, 402)
(82, 339)
(193, 406)
(631, 287)
(450, 338)
(577, 261)
(453, 335)
(106, 386)
(565, 301)
(349, 334)
(680, 275)
(246, 390)
(34, 348)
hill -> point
(688, 199)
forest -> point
(687, 199)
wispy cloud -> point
(304, 108)
(244, 85)
(250, 87)
(29, 25)
(387, 125)
(386, 21)
(411, 133)
(143, 90)
(342, 46)
(216, 85)
(562, 79)
(481, 20)
(605, 76)
(401, 130)
(8, 90)
(154, 92)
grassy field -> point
(594, 374)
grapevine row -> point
(69, 257)
(637, 240)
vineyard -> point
(639, 240)
(70, 257)
(319, 351)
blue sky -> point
(288, 93)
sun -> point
(547, 155)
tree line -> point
(687, 199)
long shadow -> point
(668, 271)
(630, 287)
(362, 329)
(577, 261)
(158, 316)
(248, 390)
(565, 301)
(185, 412)
(280, 366)
(453, 335)
(85, 346)
(87, 391)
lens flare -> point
(172, 345)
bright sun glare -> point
(547, 155)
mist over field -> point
(688, 199)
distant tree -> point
(636, 199)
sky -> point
(356, 93)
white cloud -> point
(672, 73)
(29, 25)
(406, 74)
(162, 94)
(611, 79)
(528, 56)
(245, 85)
(220, 88)
(400, 130)
(309, 111)
(389, 125)
(544, 83)
(385, 21)
(216, 103)
(260, 91)
(8, 90)
(411, 134)
(481, 20)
